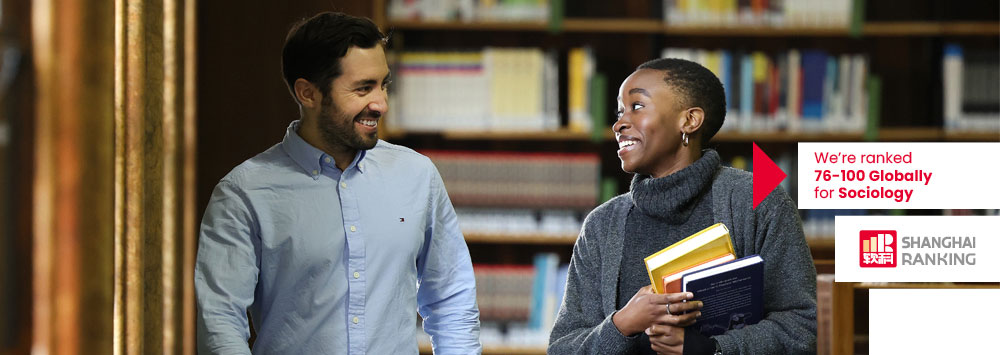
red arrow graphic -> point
(766, 175)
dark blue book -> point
(814, 72)
(733, 294)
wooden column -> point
(114, 183)
(154, 175)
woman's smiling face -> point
(648, 129)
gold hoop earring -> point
(684, 136)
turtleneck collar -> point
(673, 197)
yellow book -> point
(708, 244)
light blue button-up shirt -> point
(331, 262)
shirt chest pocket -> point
(397, 229)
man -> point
(332, 238)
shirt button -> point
(355, 320)
(315, 172)
(353, 229)
(327, 159)
(357, 274)
(343, 184)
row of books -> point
(971, 90)
(797, 90)
(514, 179)
(485, 90)
(793, 13)
(522, 293)
(519, 221)
(469, 10)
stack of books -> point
(732, 290)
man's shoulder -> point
(261, 167)
(397, 156)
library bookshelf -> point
(903, 46)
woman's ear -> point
(307, 94)
(692, 120)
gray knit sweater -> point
(772, 230)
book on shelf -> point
(544, 304)
(580, 71)
(971, 94)
(710, 243)
(732, 293)
(824, 314)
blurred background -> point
(117, 119)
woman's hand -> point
(647, 308)
(666, 339)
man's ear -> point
(692, 120)
(307, 94)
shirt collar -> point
(309, 158)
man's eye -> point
(619, 113)
(637, 106)
(364, 89)
(385, 85)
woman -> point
(667, 110)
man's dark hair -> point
(697, 87)
(314, 47)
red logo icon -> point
(878, 248)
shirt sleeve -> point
(446, 290)
(225, 273)
(581, 326)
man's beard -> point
(339, 132)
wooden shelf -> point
(556, 135)
(824, 243)
(755, 31)
(600, 25)
(470, 26)
(900, 134)
(498, 350)
(656, 26)
(972, 136)
(910, 134)
(780, 136)
(520, 238)
(931, 29)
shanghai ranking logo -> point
(878, 248)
